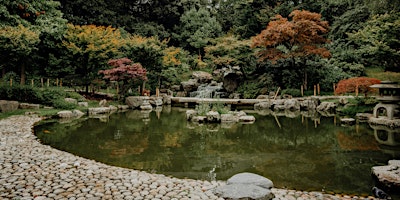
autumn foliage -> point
(300, 37)
(124, 71)
(357, 83)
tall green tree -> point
(196, 28)
(149, 52)
(379, 41)
(42, 17)
(17, 44)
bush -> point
(46, 96)
(292, 92)
(62, 104)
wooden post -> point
(57, 82)
(48, 82)
(318, 89)
(143, 87)
(11, 82)
(41, 81)
(315, 90)
(334, 88)
(157, 92)
(277, 91)
(302, 90)
(32, 83)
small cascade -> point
(212, 90)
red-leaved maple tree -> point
(356, 84)
(124, 71)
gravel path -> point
(30, 170)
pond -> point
(303, 153)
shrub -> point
(352, 84)
(292, 92)
(46, 96)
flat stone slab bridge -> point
(194, 101)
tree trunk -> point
(23, 75)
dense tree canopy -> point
(328, 40)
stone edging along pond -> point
(31, 170)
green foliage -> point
(292, 92)
(88, 49)
(229, 50)
(249, 90)
(197, 27)
(203, 108)
(359, 105)
(45, 96)
(379, 42)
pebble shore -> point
(30, 170)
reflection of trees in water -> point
(295, 153)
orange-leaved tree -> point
(356, 84)
(301, 37)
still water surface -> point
(297, 153)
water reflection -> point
(305, 152)
(388, 139)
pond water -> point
(303, 153)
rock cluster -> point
(146, 102)
(215, 117)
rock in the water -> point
(156, 101)
(136, 101)
(388, 175)
(292, 104)
(65, 114)
(228, 118)
(99, 110)
(347, 121)
(213, 116)
(247, 119)
(250, 178)
(242, 191)
(327, 107)
(264, 105)
(380, 193)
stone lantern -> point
(389, 98)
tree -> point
(231, 51)
(124, 71)
(149, 52)
(88, 48)
(41, 17)
(356, 84)
(379, 42)
(196, 28)
(301, 38)
(17, 44)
